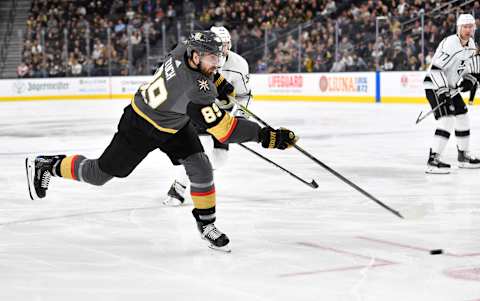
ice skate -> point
(435, 166)
(205, 223)
(217, 240)
(175, 196)
(466, 160)
(39, 173)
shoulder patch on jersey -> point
(203, 85)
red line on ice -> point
(377, 262)
(391, 243)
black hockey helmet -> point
(204, 42)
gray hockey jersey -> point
(177, 93)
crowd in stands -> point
(398, 47)
(108, 37)
(91, 37)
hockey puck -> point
(436, 252)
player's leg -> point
(127, 149)
(216, 151)
(462, 133)
(176, 195)
(203, 195)
(186, 149)
(445, 121)
(219, 154)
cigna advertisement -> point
(349, 86)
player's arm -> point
(238, 86)
(227, 128)
(436, 79)
(443, 58)
(224, 89)
(471, 73)
(241, 82)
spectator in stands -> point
(98, 49)
(399, 59)
(308, 64)
(428, 59)
(339, 65)
(23, 70)
(120, 26)
(413, 63)
(261, 66)
(387, 64)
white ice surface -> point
(289, 242)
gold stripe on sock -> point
(66, 167)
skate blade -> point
(224, 249)
(29, 168)
(437, 171)
(172, 202)
(468, 165)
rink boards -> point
(362, 87)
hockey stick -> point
(332, 171)
(312, 184)
(429, 113)
(470, 102)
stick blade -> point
(418, 118)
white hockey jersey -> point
(448, 63)
(235, 71)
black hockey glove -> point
(224, 89)
(468, 83)
(281, 138)
(443, 95)
(477, 76)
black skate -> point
(466, 160)
(217, 239)
(39, 174)
(435, 166)
(205, 223)
(175, 196)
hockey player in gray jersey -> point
(442, 91)
(161, 116)
(231, 80)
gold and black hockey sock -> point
(203, 197)
(68, 167)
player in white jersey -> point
(442, 90)
(235, 70)
(232, 79)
